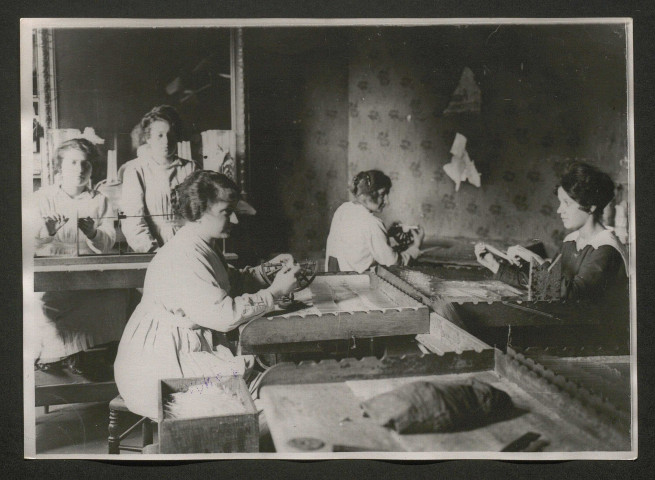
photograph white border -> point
(26, 27)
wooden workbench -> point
(315, 407)
(336, 307)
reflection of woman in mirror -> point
(66, 323)
(149, 179)
(72, 198)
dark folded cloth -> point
(423, 407)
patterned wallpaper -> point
(378, 100)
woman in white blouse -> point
(149, 179)
(190, 291)
(358, 238)
(74, 218)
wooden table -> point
(312, 408)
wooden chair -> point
(116, 407)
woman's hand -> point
(285, 281)
(485, 258)
(419, 235)
(517, 253)
(87, 225)
(53, 222)
(283, 258)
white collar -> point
(603, 237)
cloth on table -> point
(423, 407)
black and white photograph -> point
(400, 239)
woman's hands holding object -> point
(285, 281)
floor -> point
(82, 428)
(79, 428)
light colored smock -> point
(67, 322)
(189, 291)
(358, 240)
(146, 200)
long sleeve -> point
(512, 275)
(207, 304)
(598, 270)
(38, 210)
(105, 232)
(246, 280)
(382, 252)
(133, 203)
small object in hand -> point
(402, 235)
(306, 443)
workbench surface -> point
(330, 412)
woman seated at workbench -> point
(149, 179)
(358, 238)
(73, 220)
(190, 291)
(594, 262)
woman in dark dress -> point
(594, 262)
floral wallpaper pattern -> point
(378, 102)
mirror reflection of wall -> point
(109, 78)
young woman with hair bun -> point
(358, 238)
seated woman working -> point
(73, 219)
(358, 239)
(594, 262)
(190, 291)
(149, 179)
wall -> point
(337, 103)
(548, 95)
(298, 116)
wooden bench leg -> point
(113, 441)
(147, 432)
(46, 409)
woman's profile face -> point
(161, 139)
(377, 205)
(569, 211)
(75, 168)
(219, 218)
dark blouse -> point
(587, 274)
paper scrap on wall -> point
(461, 168)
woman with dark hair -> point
(358, 239)
(149, 179)
(594, 262)
(190, 291)
(72, 220)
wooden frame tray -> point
(338, 307)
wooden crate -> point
(212, 434)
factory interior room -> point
(409, 239)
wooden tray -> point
(338, 307)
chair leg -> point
(147, 432)
(113, 441)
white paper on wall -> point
(461, 168)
